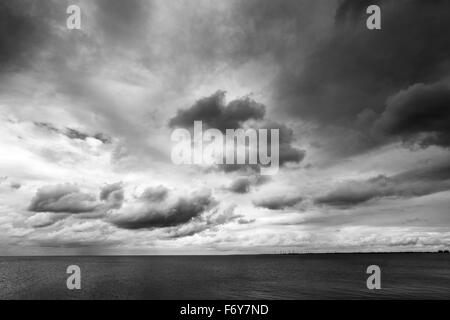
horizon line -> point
(235, 254)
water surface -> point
(320, 276)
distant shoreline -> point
(397, 252)
(232, 255)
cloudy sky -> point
(86, 118)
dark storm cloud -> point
(208, 222)
(419, 114)
(214, 113)
(240, 185)
(73, 133)
(109, 190)
(155, 194)
(34, 37)
(287, 152)
(244, 184)
(113, 194)
(340, 78)
(47, 126)
(15, 185)
(278, 202)
(23, 31)
(246, 221)
(153, 214)
(414, 183)
(102, 137)
(63, 198)
(356, 69)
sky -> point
(86, 118)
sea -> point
(272, 277)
